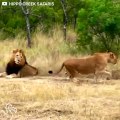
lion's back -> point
(28, 70)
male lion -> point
(17, 65)
(93, 64)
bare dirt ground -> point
(55, 98)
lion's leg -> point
(12, 76)
(3, 74)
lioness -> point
(92, 64)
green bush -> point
(98, 26)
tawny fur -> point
(17, 65)
(91, 64)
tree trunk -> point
(75, 20)
(63, 3)
(64, 27)
(28, 30)
(26, 14)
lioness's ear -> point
(111, 55)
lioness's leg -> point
(72, 72)
(105, 73)
(100, 73)
(98, 70)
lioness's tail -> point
(51, 72)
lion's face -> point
(112, 58)
(18, 66)
(18, 57)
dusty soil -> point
(64, 100)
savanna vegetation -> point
(96, 22)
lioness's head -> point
(18, 57)
(112, 58)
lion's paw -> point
(11, 76)
(3, 74)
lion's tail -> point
(51, 72)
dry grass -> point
(45, 53)
(51, 99)
(54, 98)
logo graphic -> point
(9, 109)
(4, 3)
